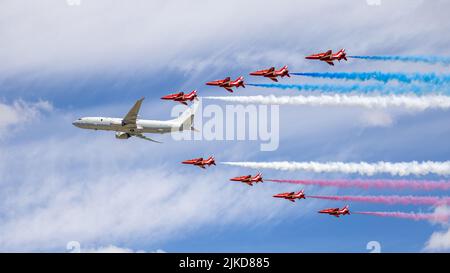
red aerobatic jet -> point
(228, 84)
(291, 196)
(201, 162)
(272, 74)
(181, 97)
(248, 179)
(336, 211)
(329, 56)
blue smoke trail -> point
(429, 78)
(414, 59)
(354, 88)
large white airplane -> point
(131, 125)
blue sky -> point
(61, 184)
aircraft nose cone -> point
(76, 123)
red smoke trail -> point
(375, 183)
(390, 199)
(413, 216)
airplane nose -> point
(76, 123)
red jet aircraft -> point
(248, 179)
(291, 196)
(201, 162)
(181, 97)
(272, 74)
(328, 56)
(228, 84)
(336, 211)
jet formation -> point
(132, 126)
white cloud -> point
(439, 241)
(50, 35)
(92, 190)
(20, 112)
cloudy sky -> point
(61, 184)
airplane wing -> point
(327, 55)
(132, 115)
(146, 138)
(226, 80)
(229, 89)
(271, 69)
(273, 79)
(330, 62)
(268, 72)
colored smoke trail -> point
(430, 78)
(410, 102)
(353, 88)
(414, 59)
(404, 215)
(375, 183)
(389, 199)
(362, 168)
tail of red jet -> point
(285, 71)
(342, 54)
(301, 193)
(191, 96)
(239, 82)
(345, 210)
(258, 178)
(210, 161)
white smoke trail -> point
(362, 168)
(411, 102)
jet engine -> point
(122, 135)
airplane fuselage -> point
(115, 124)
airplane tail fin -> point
(186, 120)
(241, 81)
(212, 160)
(192, 95)
(344, 54)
